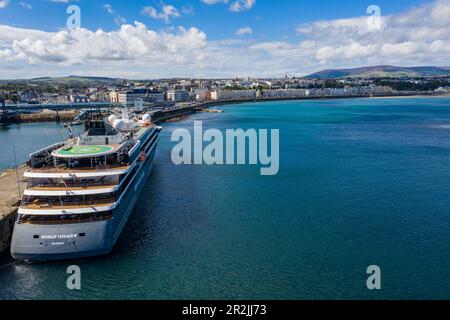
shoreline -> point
(174, 116)
(412, 96)
(209, 104)
(409, 96)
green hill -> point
(381, 72)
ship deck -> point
(64, 188)
(64, 169)
(81, 151)
(82, 205)
(84, 150)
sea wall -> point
(6, 229)
(11, 187)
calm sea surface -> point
(361, 182)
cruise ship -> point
(81, 192)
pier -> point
(12, 186)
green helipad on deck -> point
(84, 150)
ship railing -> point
(62, 204)
(48, 149)
(133, 153)
(64, 168)
(68, 185)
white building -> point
(233, 95)
(178, 95)
(442, 90)
(79, 98)
(146, 95)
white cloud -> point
(235, 6)
(118, 19)
(167, 12)
(188, 10)
(4, 3)
(209, 2)
(108, 8)
(244, 31)
(242, 5)
(10, 34)
(26, 5)
(130, 42)
(419, 36)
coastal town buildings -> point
(233, 95)
(201, 94)
(152, 92)
(284, 93)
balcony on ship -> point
(73, 184)
(67, 202)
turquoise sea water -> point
(362, 182)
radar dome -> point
(147, 118)
(112, 118)
(119, 124)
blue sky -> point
(270, 19)
(217, 37)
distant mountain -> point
(74, 79)
(381, 72)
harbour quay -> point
(11, 188)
